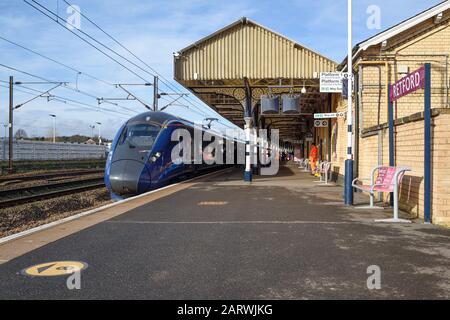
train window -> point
(140, 135)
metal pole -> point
(54, 126)
(155, 93)
(11, 108)
(54, 129)
(99, 133)
(391, 137)
(248, 169)
(92, 130)
(349, 161)
(427, 145)
(329, 148)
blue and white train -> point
(140, 155)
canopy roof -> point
(214, 69)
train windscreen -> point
(140, 135)
(136, 141)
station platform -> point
(281, 237)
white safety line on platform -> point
(229, 222)
(86, 213)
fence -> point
(38, 150)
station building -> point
(235, 69)
(382, 60)
(232, 69)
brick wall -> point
(426, 42)
(428, 46)
(409, 140)
(339, 148)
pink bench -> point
(384, 179)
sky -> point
(152, 30)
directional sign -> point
(56, 268)
(330, 82)
(329, 115)
(320, 123)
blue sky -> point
(153, 29)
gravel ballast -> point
(27, 216)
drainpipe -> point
(386, 70)
(447, 83)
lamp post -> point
(12, 108)
(99, 133)
(54, 126)
(92, 130)
(6, 130)
(349, 161)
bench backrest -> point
(325, 166)
(385, 178)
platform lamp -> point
(92, 130)
(304, 88)
(6, 130)
(99, 133)
(54, 126)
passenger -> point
(313, 158)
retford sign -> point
(408, 84)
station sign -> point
(329, 115)
(408, 84)
(320, 123)
(331, 82)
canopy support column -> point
(248, 166)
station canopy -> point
(237, 65)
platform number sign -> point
(320, 123)
(330, 82)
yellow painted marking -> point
(56, 268)
(213, 203)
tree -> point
(20, 134)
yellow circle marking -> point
(56, 268)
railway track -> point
(16, 196)
(46, 176)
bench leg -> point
(320, 178)
(396, 218)
(395, 204)
(326, 179)
(371, 205)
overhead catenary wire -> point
(56, 61)
(90, 37)
(78, 72)
(66, 100)
(57, 20)
(65, 86)
(134, 64)
(160, 76)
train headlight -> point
(155, 157)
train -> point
(140, 158)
